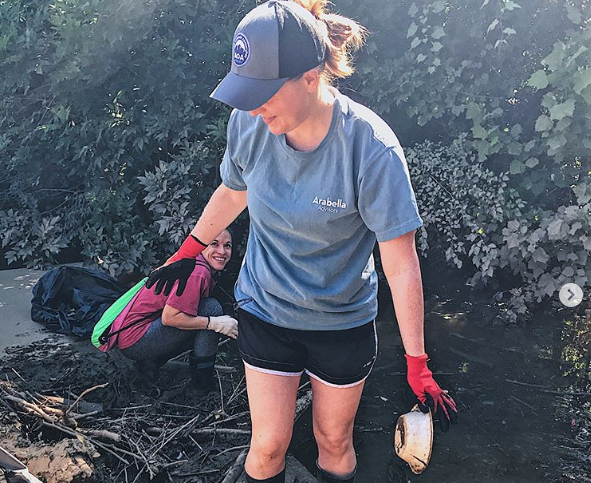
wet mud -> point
(517, 423)
(522, 392)
(135, 425)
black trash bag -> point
(71, 300)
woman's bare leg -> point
(272, 410)
(334, 412)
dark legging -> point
(161, 342)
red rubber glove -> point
(190, 248)
(428, 392)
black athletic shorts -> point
(338, 358)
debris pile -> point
(74, 414)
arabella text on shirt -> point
(331, 206)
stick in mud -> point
(236, 469)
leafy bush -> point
(110, 146)
(516, 77)
(473, 216)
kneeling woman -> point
(159, 327)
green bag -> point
(100, 334)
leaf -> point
(438, 6)
(437, 46)
(582, 80)
(538, 80)
(575, 226)
(513, 241)
(412, 11)
(550, 288)
(513, 225)
(573, 13)
(509, 31)
(412, 30)
(532, 162)
(556, 57)
(568, 272)
(492, 26)
(516, 167)
(516, 130)
(478, 131)
(514, 149)
(554, 229)
(544, 123)
(564, 109)
(555, 144)
(415, 42)
(530, 145)
(580, 191)
(510, 5)
(438, 32)
(421, 58)
(485, 3)
(582, 49)
(540, 255)
(474, 112)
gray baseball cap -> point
(273, 43)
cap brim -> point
(246, 93)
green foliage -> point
(473, 216)
(109, 143)
(515, 76)
(110, 146)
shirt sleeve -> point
(196, 288)
(230, 170)
(386, 200)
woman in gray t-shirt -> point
(324, 178)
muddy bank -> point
(144, 427)
(518, 422)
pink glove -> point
(428, 392)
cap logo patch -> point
(241, 50)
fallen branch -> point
(84, 407)
(526, 384)
(174, 434)
(30, 407)
(69, 408)
(236, 469)
(471, 358)
(102, 434)
(206, 431)
(78, 435)
(302, 404)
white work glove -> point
(224, 324)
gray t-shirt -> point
(315, 217)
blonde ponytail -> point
(344, 36)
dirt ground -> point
(522, 390)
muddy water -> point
(508, 430)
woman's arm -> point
(180, 320)
(223, 208)
(403, 272)
(223, 324)
(402, 269)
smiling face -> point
(218, 252)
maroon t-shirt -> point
(147, 304)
